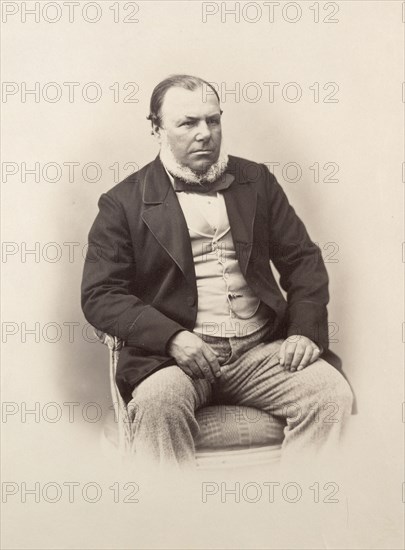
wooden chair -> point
(230, 436)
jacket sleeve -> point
(302, 271)
(109, 273)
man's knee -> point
(331, 390)
(166, 395)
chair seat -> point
(235, 426)
(225, 427)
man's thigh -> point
(167, 388)
(258, 380)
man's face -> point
(191, 127)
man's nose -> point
(203, 131)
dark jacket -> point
(139, 281)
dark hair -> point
(185, 81)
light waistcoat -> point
(227, 307)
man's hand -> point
(297, 352)
(194, 356)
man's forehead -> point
(179, 102)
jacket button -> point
(190, 300)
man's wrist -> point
(170, 341)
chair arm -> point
(112, 342)
(125, 435)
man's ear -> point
(156, 132)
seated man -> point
(178, 266)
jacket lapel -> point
(241, 201)
(164, 217)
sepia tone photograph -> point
(202, 274)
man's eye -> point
(213, 121)
(187, 123)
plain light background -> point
(359, 218)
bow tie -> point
(220, 184)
